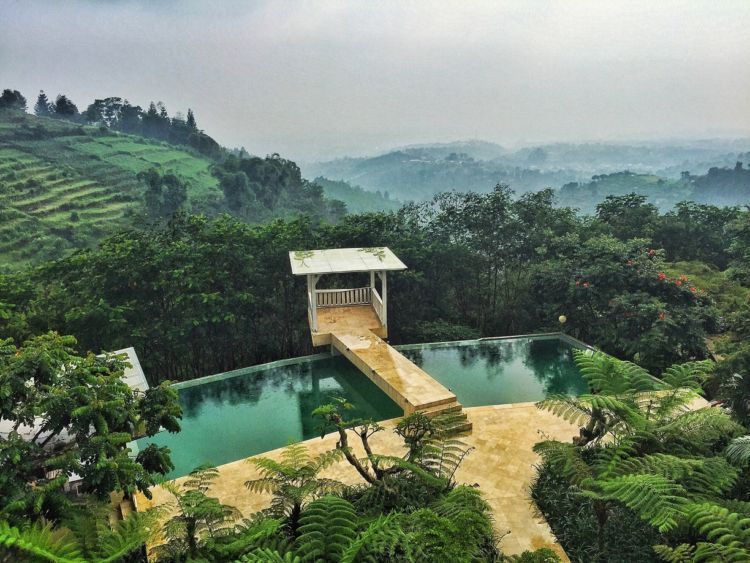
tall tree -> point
(65, 108)
(12, 99)
(42, 107)
(191, 119)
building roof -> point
(133, 375)
(342, 260)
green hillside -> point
(357, 199)
(664, 193)
(63, 185)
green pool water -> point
(238, 414)
(249, 411)
(503, 370)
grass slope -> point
(64, 186)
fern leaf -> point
(655, 498)
(327, 527)
(566, 458)
(738, 451)
(267, 555)
(41, 541)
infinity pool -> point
(501, 370)
(231, 416)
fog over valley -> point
(317, 81)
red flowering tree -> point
(616, 295)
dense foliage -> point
(120, 115)
(644, 467)
(66, 415)
(409, 509)
(200, 295)
(64, 185)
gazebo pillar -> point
(312, 300)
(384, 280)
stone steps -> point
(452, 417)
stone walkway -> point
(502, 466)
(409, 386)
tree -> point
(88, 535)
(12, 99)
(638, 445)
(427, 469)
(129, 120)
(107, 111)
(724, 536)
(629, 216)
(294, 480)
(72, 414)
(43, 107)
(626, 401)
(617, 295)
(191, 119)
(65, 108)
(200, 519)
(165, 194)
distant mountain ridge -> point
(419, 171)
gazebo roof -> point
(342, 260)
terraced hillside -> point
(64, 186)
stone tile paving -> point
(502, 466)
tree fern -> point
(382, 540)
(88, 537)
(609, 376)
(727, 536)
(699, 476)
(441, 457)
(568, 408)
(462, 498)
(566, 459)
(294, 479)
(327, 527)
(656, 499)
(698, 431)
(42, 541)
(738, 451)
(266, 555)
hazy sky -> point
(320, 79)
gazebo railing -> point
(344, 297)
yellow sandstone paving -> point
(357, 317)
(502, 466)
(407, 384)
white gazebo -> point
(335, 307)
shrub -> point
(571, 517)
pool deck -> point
(354, 318)
(502, 466)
